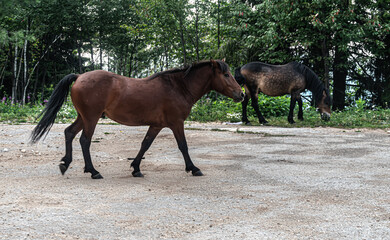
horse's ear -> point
(223, 59)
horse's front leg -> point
(255, 105)
(244, 109)
(178, 131)
(148, 140)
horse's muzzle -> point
(238, 97)
(325, 116)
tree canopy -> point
(345, 42)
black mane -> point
(313, 83)
(190, 68)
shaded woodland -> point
(347, 43)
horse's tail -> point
(54, 104)
(238, 76)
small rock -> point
(5, 150)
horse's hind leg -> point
(290, 117)
(70, 133)
(148, 140)
(85, 141)
(300, 111)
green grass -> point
(351, 118)
(274, 109)
(18, 113)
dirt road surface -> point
(260, 183)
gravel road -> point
(260, 183)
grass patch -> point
(28, 113)
(275, 111)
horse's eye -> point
(226, 75)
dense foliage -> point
(347, 43)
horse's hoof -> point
(137, 174)
(197, 173)
(248, 123)
(291, 121)
(63, 168)
(97, 176)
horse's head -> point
(224, 83)
(324, 105)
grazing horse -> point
(162, 100)
(278, 80)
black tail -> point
(56, 100)
(238, 76)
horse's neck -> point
(198, 85)
(315, 86)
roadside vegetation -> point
(213, 108)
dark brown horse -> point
(162, 100)
(278, 80)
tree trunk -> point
(43, 84)
(325, 56)
(125, 61)
(14, 79)
(35, 85)
(183, 43)
(92, 61)
(24, 87)
(132, 52)
(79, 56)
(3, 68)
(101, 58)
(166, 57)
(339, 78)
(35, 66)
(197, 30)
(218, 24)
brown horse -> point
(278, 80)
(162, 100)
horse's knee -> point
(69, 135)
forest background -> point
(346, 42)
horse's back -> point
(273, 80)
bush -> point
(224, 109)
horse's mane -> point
(187, 70)
(313, 83)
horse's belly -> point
(273, 91)
(137, 118)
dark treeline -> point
(346, 42)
